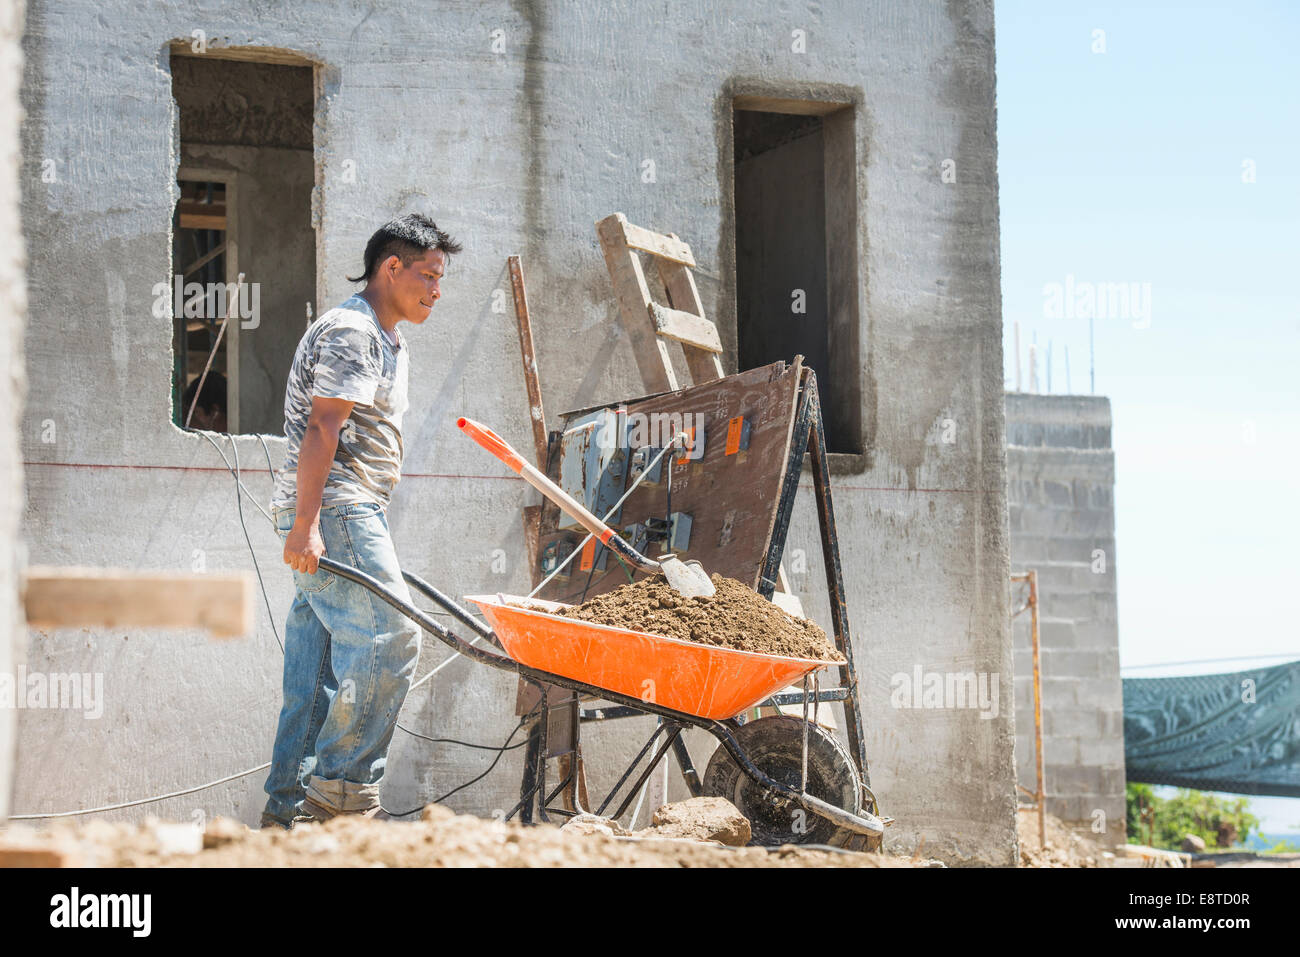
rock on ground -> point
(701, 819)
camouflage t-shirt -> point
(345, 354)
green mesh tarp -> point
(1238, 732)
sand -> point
(736, 617)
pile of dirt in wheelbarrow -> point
(736, 617)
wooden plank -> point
(256, 54)
(203, 221)
(657, 244)
(772, 104)
(116, 598)
(536, 414)
(690, 330)
(650, 351)
(27, 854)
(683, 294)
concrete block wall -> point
(516, 141)
(1060, 500)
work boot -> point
(270, 821)
(319, 812)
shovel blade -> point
(687, 578)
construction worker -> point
(349, 657)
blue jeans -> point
(349, 658)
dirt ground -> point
(1065, 847)
(441, 839)
(736, 617)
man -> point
(349, 656)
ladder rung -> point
(688, 329)
(657, 244)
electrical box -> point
(694, 450)
(679, 532)
(641, 460)
(593, 463)
(737, 436)
(553, 554)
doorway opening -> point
(243, 243)
(796, 249)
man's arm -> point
(304, 547)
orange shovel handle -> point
(492, 442)
(501, 449)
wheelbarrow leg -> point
(674, 732)
(544, 723)
(618, 785)
(528, 786)
(689, 774)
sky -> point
(1151, 152)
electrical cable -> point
(474, 780)
(150, 800)
(239, 504)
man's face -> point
(417, 287)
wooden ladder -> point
(682, 319)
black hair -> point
(407, 237)
(213, 395)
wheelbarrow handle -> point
(533, 476)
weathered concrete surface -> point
(1061, 483)
(519, 151)
(13, 315)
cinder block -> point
(1066, 807)
(1056, 634)
(1015, 522)
(1081, 490)
(1101, 692)
(1060, 692)
(1103, 607)
(1030, 549)
(1073, 664)
(1101, 752)
(1075, 779)
(1072, 606)
(1069, 548)
(1072, 722)
(1060, 752)
(1112, 724)
(1096, 636)
(1059, 494)
(1074, 578)
(1111, 780)
(1020, 491)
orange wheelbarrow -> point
(805, 795)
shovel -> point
(685, 578)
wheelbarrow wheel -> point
(775, 746)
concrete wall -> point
(1061, 483)
(13, 314)
(518, 151)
